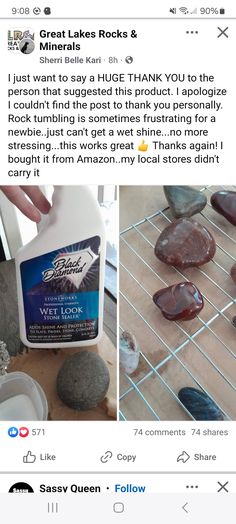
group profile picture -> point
(21, 40)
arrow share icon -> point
(184, 507)
(183, 457)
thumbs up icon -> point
(13, 432)
(143, 147)
(29, 458)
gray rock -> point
(184, 201)
(9, 323)
(83, 380)
(4, 358)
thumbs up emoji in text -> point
(143, 147)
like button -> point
(29, 458)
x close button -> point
(223, 487)
(223, 32)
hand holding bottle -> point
(39, 203)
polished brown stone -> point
(179, 302)
(185, 243)
(233, 273)
(224, 202)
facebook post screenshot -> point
(117, 261)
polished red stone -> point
(179, 302)
(224, 202)
(233, 273)
(185, 243)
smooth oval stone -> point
(179, 302)
(233, 273)
(200, 405)
(185, 243)
(83, 380)
(224, 202)
(184, 201)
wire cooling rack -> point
(200, 353)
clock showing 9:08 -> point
(20, 11)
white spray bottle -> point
(60, 274)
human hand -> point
(39, 203)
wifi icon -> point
(184, 10)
